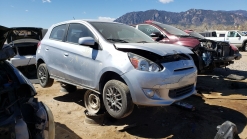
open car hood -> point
(6, 51)
(4, 32)
(158, 48)
(18, 33)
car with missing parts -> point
(119, 65)
(207, 54)
(24, 41)
(21, 115)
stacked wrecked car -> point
(21, 115)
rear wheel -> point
(44, 76)
(117, 99)
(93, 102)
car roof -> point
(85, 20)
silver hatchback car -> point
(118, 64)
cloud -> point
(26, 10)
(46, 1)
(166, 1)
(106, 18)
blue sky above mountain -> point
(44, 13)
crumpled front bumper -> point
(237, 56)
(169, 85)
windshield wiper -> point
(118, 40)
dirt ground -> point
(221, 100)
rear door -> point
(53, 51)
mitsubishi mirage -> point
(118, 64)
(22, 116)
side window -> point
(58, 32)
(232, 34)
(222, 35)
(77, 31)
(147, 29)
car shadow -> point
(217, 81)
(63, 132)
(175, 123)
(77, 97)
(170, 122)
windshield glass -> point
(120, 33)
(172, 30)
(241, 33)
(195, 34)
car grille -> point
(174, 93)
(224, 49)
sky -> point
(44, 13)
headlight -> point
(143, 64)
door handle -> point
(66, 54)
(46, 49)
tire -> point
(93, 102)
(44, 76)
(122, 107)
(244, 48)
(68, 88)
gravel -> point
(239, 67)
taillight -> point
(38, 44)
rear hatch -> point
(25, 40)
(6, 51)
(24, 34)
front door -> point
(234, 38)
(81, 62)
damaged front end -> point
(213, 54)
(21, 115)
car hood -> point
(4, 32)
(158, 48)
(188, 41)
(19, 33)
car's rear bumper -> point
(22, 60)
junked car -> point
(119, 65)
(21, 115)
(222, 52)
(24, 41)
(164, 33)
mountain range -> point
(190, 17)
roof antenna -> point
(73, 17)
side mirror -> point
(88, 41)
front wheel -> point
(117, 99)
(44, 76)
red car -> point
(207, 54)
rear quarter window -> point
(58, 32)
